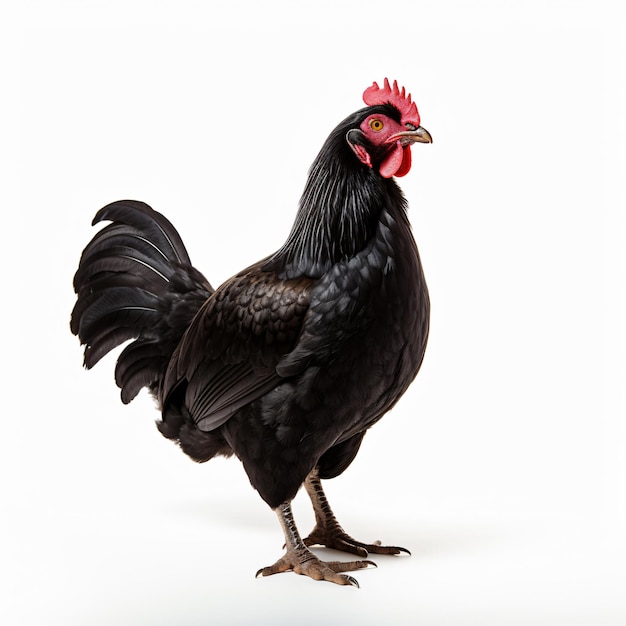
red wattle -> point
(392, 162)
(397, 162)
(406, 162)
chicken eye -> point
(376, 125)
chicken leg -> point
(302, 561)
(329, 533)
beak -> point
(408, 137)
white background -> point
(502, 469)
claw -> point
(373, 547)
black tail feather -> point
(91, 294)
(135, 281)
(133, 370)
(119, 260)
(146, 220)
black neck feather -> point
(339, 210)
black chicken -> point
(288, 363)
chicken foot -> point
(329, 533)
(301, 560)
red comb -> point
(393, 95)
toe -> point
(304, 562)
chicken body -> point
(287, 364)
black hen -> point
(288, 363)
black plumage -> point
(288, 363)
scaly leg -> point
(329, 533)
(302, 561)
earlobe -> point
(354, 138)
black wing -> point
(228, 356)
